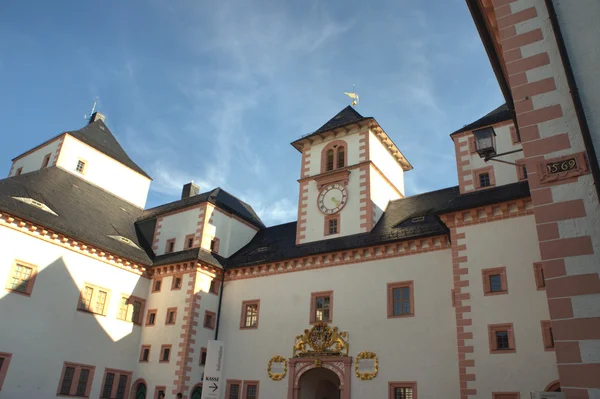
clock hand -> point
(336, 202)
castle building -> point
(487, 289)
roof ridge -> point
(425, 193)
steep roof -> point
(218, 197)
(98, 136)
(85, 212)
(345, 117)
(278, 242)
(500, 114)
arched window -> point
(140, 391)
(197, 392)
(329, 160)
(341, 160)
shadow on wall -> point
(45, 329)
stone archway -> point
(554, 386)
(340, 365)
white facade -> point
(33, 160)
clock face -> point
(332, 198)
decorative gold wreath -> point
(366, 355)
(277, 359)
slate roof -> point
(500, 114)
(278, 242)
(188, 255)
(345, 117)
(98, 136)
(218, 197)
(85, 212)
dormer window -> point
(36, 204)
(80, 166)
(19, 171)
(485, 142)
(46, 161)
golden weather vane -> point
(353, 96)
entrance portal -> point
(319, 383)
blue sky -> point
(215, 91)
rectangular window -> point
(21, 278)
(170, 246)
(494, 281)
(214, 286)
(484, 177)
(547, 335)
(189, 241)
(171, 316)
(130, 309)
(165, 353)
(19, 171)
(233, 389)
(145, 353)
(332, 224)
(76, 380)
(538, 272)
(402, 390)
(4, 362)
(160, 392)
(80, 166)
(250, 390)
(484, 180)
(46, 161)
(156, 285)
(94, 299)
(250, 311)
(115, 384)
(209, 320)
(176, 282)
(400, 299)
(321, 307)
(501, 337)
(214, 245)
(202, 356)
(151, 317)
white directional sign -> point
(213, 383)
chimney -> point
(97, 116)
(190, 190)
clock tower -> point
(350, 170)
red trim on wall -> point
(4, 368)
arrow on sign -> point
(214, 387)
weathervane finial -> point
(353, 96)
(92, 111)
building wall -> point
(420, 348)
(232, 233)
(352, 151)
(44, 330)
(177, 226)
(381, 157)
(381, 193)
(104, 171)
(32, 161)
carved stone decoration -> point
(321, 340)
(277, 376)
(365, 356)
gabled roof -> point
(83, 211)
(344, 117)
(218, 197)
(98, 136)
(500, 114)
(278, 243)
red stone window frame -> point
(538, 274)
(247, 385)
(209, 320)
(228, 389)
(189, 241)
(157, 284)
(90, 304)
(158, 390)
(203, 353)
(493, 341)
(112, 393)
(170, 246)
(46, 161)
(24, 286)
(73, 387)
(506, 395)
(175, 283)
(522, 172)
(393, 385)
(151, 317)
(5, 357)
(335, 147)
(327, 230)
(487, 286)
(214, 245)
(246, 319)
(215, 286)
(171, 318)
(314, 297)
(19, 171)
(477, 172)
(144, 347)
(390, 298)
(165, 353)
(127, 312)
(547, 335)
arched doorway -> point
(197, 392)
(138, 389)
(319, 383)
